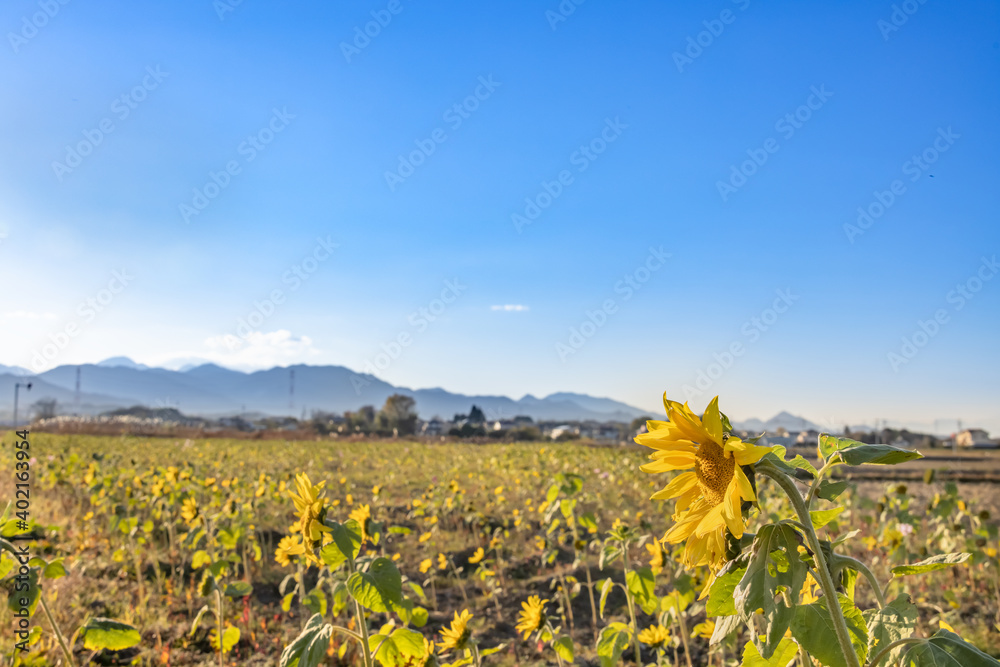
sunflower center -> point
(714, 470)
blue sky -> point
(641, 136)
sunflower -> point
(190, 512)
(457, 635)
(310, 505)
(532, 616)
(478, 556)
(711, 491)
(287, 547)
(655, 636)
(655, 557)
(361, 514)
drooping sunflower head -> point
(655, 636)
(288, 546)
(456, 636)
(310, 506)
(362, 514)
(711, 490)
(531, 616)
(190, 512)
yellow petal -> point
(746, 490)
(749, 454)
(712, 420)
(677, 486)
(731, 513)
(713, 520)
(675, 461)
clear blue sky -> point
(672, 131)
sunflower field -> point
(690, 547)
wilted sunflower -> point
(532, 616)
(710, 495)
(287, 547)
(457, 635)
(655, 636)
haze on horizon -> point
(791, 206)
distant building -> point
(975, 438)
(808, 437)
(434, 427)
(564, 430)
(770, 440)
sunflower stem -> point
(869, 575)
(631, 607)
(825, 580)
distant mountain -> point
(121, 362)
(14, 370)
(784, 420)
(211, 390)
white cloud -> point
(260, 349)
(29, 315)
(510, 307)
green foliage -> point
(774, 566)
(641, 584)
(813, 628)
(378, 589)
(783, 654)
(394, 648)
(897, 620)
(939, 562)
(309, 648)
(106, 633)
(613, 641)
(946, 649)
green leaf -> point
(878, 455)
(397, 648)
(939, 562)
(606, 588)
(783, 654)
(896, 620)
(822, 517)
(564, 647)
(315, 601)
(552, 493)
(813, 628)
(614, 638)
(803, 464)
(642, 585)
(399, 530)
(309, 648)
(774, 566)
(589, 522)
(609, 553)
(208, 584)
(724, 626)
(830, 490)
(828, 444)
(378, 588)
(230, 638)
(32, 594)
(720, 595)
(346, 543)
(109, 634)
(238, 589)
(197, 619)
(946, 649)
(54, 570)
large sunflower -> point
(710, 494)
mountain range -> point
(209, 390)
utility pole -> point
(17, 388)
